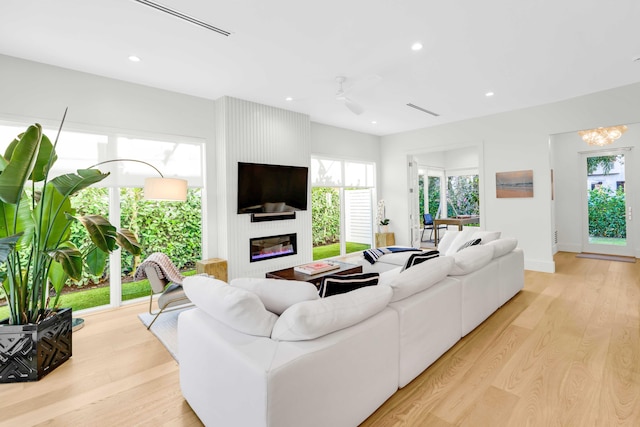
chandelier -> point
(602, 136)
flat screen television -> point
(264, 188)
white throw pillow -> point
(456, 240)
(420, 277)
(278, 295)
(486, 236)
(503, 246)
(312, 319)
(239, 309)
(471, 259)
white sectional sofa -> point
(262, 352)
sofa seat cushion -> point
(278, 295)
(502, 247)
(312, 319)
(471, 259)
(235, 307)
(419, 277)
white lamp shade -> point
(168, 189)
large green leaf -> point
(96, 260)
(70, 259)
(46, 158)
(50, 215)
(101, 232)
(24, 225)
(23, 159)
(57, 276)
(128, 241)
(71, 183)
(7, 244)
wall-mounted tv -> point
(264, 188)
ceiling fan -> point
(341, 95)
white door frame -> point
(628, 249)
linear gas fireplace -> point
(263, 248)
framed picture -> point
(514, 184)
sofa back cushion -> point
(235, 307)
(419, 277)
(312, 319)
(471, 259)
(486, 236)
(453, 239)
(278, 295)
(503, 246)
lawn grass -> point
(99, 296)
(616, 241)
(328, 251)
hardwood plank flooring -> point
(565, 351)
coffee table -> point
(291, 274)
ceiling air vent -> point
(182, 16)
(424, 110)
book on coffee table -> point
(316, 267)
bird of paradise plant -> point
(36, 253)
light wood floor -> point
(563, 352)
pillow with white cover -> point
(235, 307)
(278, 295)
(453, 239)
(312, 319)
(503, 246)
(486, 236)
(386, 277)
(471, 259)
(420, 277)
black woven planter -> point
(29, 352)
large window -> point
(174, 228)
(341, 205)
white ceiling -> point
(528, 53)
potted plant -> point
(383, 222)
(36, 254)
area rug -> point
(607, 257)
(165, 329)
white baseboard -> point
(537, 265)
(570, 247)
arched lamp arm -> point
(127, 160)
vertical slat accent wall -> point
(255, 133)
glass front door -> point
(607, 212)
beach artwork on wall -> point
(514, 184)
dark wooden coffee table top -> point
(291, 274)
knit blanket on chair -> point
(372, 255)
(162, 265)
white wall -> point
(567, 149)
(30, 92)
(516, 140)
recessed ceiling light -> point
(488, 94)
(288, 98)
(134, 58)
(373, 122)
(416, 46)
